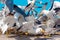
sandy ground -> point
(4, 37)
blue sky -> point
(1, 5)
(24, 3)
